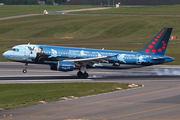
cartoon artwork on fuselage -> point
(53, 53)
(121, 58)
(140, 59)
(82, 53)
(40, 56)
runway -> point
(157, 100)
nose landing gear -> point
(25, 68)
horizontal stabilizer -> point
(160, 58)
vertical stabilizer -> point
(159, 43)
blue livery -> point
(68, 58)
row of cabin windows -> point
(72, 54)
(75, 54)
(88, 55)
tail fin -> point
(159, 43)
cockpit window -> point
(14, 49)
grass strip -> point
(138, 10)
(21, 95)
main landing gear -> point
(81, 74)
(25, 68)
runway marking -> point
(95, 103)
(14, 81)
(143, 112)
(33, 75)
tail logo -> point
(150, 46)
(159, 50)
(154, 42)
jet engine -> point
(63, 66)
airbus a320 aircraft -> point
(68, 58)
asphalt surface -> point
(159, 99)
(18, 16)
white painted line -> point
(41, 81)
(127, 72)
(20, 70)
(33, 75)
(45, 80)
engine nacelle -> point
(63, 66)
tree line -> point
(31, 2)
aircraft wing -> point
(89, 61)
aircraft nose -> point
(5, 54)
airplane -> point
(68, 58)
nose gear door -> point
(26, 51)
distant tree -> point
(43, 0)
(17, 2)
(64, 1)
(32, 2)
(2, 1)
(35, 2)
(49, 2)
(9, 2)
(21, 2)
(60, 1)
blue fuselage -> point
(40, 54)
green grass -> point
(13, 10)
(57, 29)
(21, 95)
(141, 10)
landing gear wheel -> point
(79, 74)
(24, 71)
(25, 68)
(85, 75)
